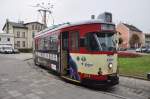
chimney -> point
(7, 26)
(92, 16)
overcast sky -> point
(135, 12)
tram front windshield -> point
(101, 41)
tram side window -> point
(74, 40)
(53, 42)
(41, 43)
(37, 44)
(65, 40)
(45, 47)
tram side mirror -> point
(82, 42)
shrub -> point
(25, 50)
(128, 54)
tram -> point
(83, 52)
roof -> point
(33, 22)
(14, 24)
(6, 34)
(133, 28)
(21, 25)
(147, 34)
(68, 24)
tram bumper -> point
(111, 81)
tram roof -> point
(68, 24)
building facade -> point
(6, 39)
(147, 39)
(23, 33)
(33, 27)
(131, 36)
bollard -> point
(148, 76)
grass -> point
(136, 67)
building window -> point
(8, 39)
(23, 44)
(23, 34)
(33, 34)
(32, 27)
(18, 34)
(42, 27)
(36, 27)
(18, 43)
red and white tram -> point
(83, 52)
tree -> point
(120, 40)
(134, 40)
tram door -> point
(64, 53)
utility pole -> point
(44, 10)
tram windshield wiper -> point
(100, 41)
(105, 41)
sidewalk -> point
(20, 56)
(135, 83)
(19, 80)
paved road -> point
(129, 88)
(20, 56)
(21, 79)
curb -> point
(140, 78)
(27, 59)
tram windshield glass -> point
(100, 41)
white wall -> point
(4, 41)
(21, 39)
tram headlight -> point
(110, 65)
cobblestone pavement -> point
(19, 56)
(21, 79)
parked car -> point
(15, 51)
(138, 50)
(122, 49)
(6, 50)
(143, 49)
(0, 49)
(148, 50)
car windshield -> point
(101, 41)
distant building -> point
(23, 33)
(147, 39)
(7, 39)
(132, 37)
(33, 27)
